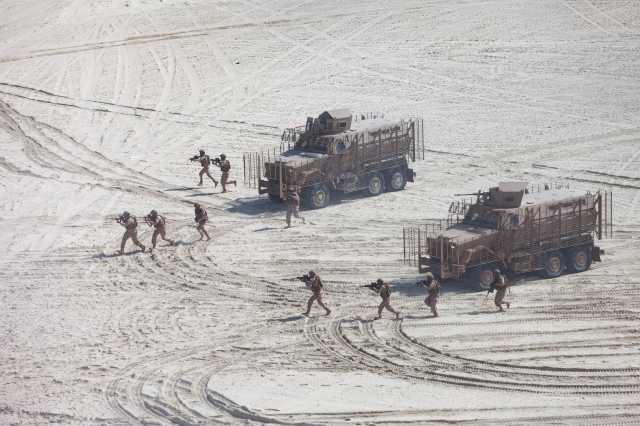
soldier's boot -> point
(397, 315)
(508, 305)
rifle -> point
(216, 161)
(373, 286)
(304, 278)
(194, 158)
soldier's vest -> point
(204, 161)
(226, 166)
(385, 292)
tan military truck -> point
(551, 231)
(333, 154)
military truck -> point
(509, 228)
(332, 154)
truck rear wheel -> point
(318, 197)
(397, 180)
(376, 184)
(579, 259)
(553, 264)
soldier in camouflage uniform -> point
(225, 166)
(315, 283)
(205, 161)
(500, 285)
(201, 219)
(433, 288)
(293, 205)
(385, 294)
(130, 223)
(159, 228)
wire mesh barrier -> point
(414, 238)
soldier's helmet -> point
(312, 274)
(222, 156)
(379, 281)
(153, 213)
(196, 205)
(201, 152)
(428, 277)
(125, 214)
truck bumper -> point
(410, 175)
(596, 252)
(268, 187)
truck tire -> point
(317, 197)
(579, 259)
(375, 186)
(397, 180)
(553, 264)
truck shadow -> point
(254, 206)
(408, 287)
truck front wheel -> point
(376, 184)
(553, 264)
(397, 180)
(579, 259)
(318, 197)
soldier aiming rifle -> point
(225, 167)
(205, 161)
(374, 286)
(158, 222)
(315, 283)
(385, 295)
(130, 224)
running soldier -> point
(130, 224)
(433, 288)
(315, 283)
(225, 166)
(201, 219)
(159, 224)
(385, 294)
(293, 205)
(205, 161)
(500, 285)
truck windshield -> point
(483, 218)
(317, 145)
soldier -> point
(159, 224)
(315, 283)
(201, 219)
(293, 205)
(500, 285)
(433, 288)
(225, 166)
(130, 223)
(205, 161)
(385, 294)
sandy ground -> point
(101, 104)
